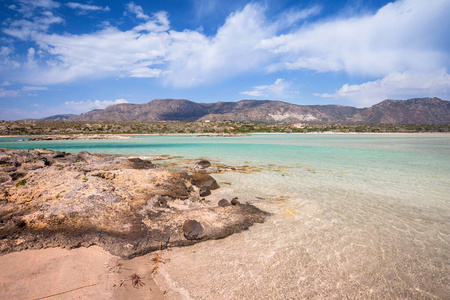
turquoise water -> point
(358, 216)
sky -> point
(59, 57)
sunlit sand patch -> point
(290, 212)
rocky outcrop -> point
(128, 206)
(416, 111)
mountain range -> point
(414, 111)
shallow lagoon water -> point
(357, 216)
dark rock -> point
(193, 230)
(83, 156)
(4, 159)
(204, 164)
(7, 229)
(235, 201)
(201, 180)
(47, 161)
(16, 175)
(224, 203)
(204, 191)
(5, 178)
(140, 164)
(161, 202)
(59, 154)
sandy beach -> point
(82, 273)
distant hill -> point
(412, 111)
(58, 117)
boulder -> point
(58, 154)
(193, 230)
(235, 201)
(202, 180)
(224, 203)
(140, 164)
(204, 191)
(83, 156)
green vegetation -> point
(21, 182)
(85, 179)
(41, 128)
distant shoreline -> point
(125, 136)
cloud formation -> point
(276, 90)
(396, 85)
(83, 106)
(137, 10)
(395, 44)
(86, 7)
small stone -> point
(162, 202)
(205, 191)
(235, 201)
(224, 202)
(193, 230)
(204, 164)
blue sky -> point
(75, 56)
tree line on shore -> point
(201, 127)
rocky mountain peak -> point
(417, 110)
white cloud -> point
(31, 29)
(145, 72)
(9, 93)
(5, 51)
(15, 93)
(397, 85)
(291, 17)
(403, 37)
(194, 58)
(137, 10)
(158, 23)
(83, 106)
(277, 90)
(87, 7)
(34, 88)
(28, 7)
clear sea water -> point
(353, 216)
